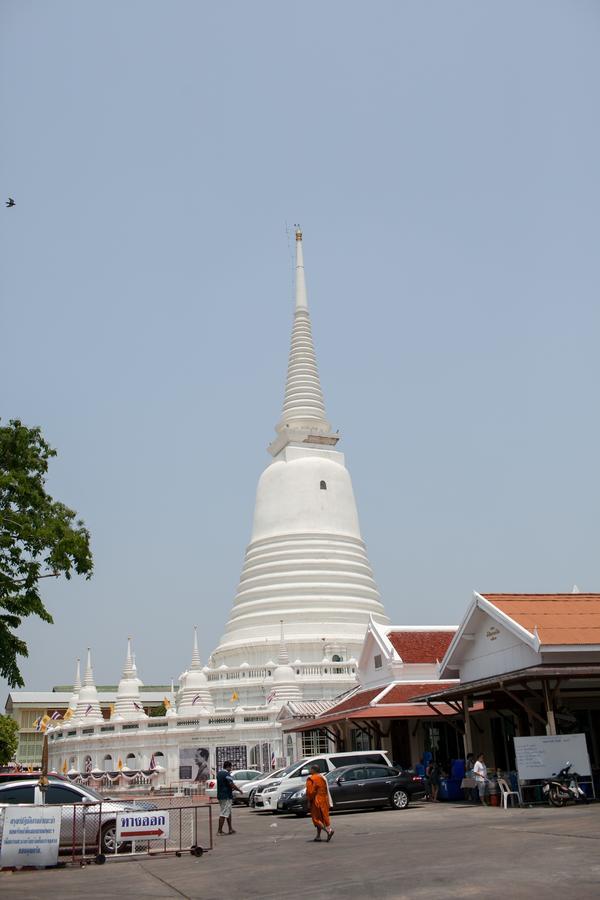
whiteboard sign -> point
(150, 826)
(544, 756)
(30, 836)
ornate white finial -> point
(77, 682)
(283, 657)
(129, 668)
(195, 652)
(575, 590)
(88, 678)
(303, 404)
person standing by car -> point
(317, 794)
(481, 778)
(225, 788)
(433, 775)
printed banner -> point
(30, 836)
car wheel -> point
(251, 800)
(399, 799)
(108, 839)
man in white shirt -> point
(480, 775)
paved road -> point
(428, 851)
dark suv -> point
(361, 787)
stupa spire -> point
(129, 669)
(195, 666)
(283, 657)
(303, 404)
(77, 682)
(88, 678)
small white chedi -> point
(304, 600)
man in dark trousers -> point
(225, 789)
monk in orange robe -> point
(317, 794)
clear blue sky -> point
(443, 161)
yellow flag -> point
(68, 714)
(64, 767)
(111, 707)
(166, 703)
(120, 764)
(44, 722)
(234, 696)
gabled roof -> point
(558, 619)
(420, 646)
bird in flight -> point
(10, 202)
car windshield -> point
(94, 794)
(297, 765)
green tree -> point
(39, 538)
(9, 739)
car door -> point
(349, 788)
(380, 783)
(72, 817)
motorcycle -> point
(564, 787)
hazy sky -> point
(443, 160)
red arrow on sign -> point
(158, 833)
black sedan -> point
(360, 787)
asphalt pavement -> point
(426, 851)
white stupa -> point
(194, 695)
(87, 711)
(128, 704)
(306, 562)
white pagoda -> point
(303, 604)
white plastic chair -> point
(506, 793)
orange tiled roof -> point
(357, 701)
(401, 693)
(559, 618)
(420, 646)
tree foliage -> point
(9, 739)
(39, 538)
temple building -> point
(305, 598)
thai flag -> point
(271, 696)
(152, 762)
(56, 715)
(272, 759)
(89, 706)
(137, 705)
(197, 697)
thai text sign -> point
(30, 836)
(151, 826)
(545, 755)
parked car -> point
(250, 789)
(241, 777)
(360, 787)
(267, 796)
(100, 820)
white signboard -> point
(151, 826)
(544, 756)
(30, 836)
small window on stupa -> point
(323, 485)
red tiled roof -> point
(420, 646)
(401, 693)
(559, 618)
(357, 701)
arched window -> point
(130, 761)
(159, 758)
(108, 763)
(323, 485)
(336, 658)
